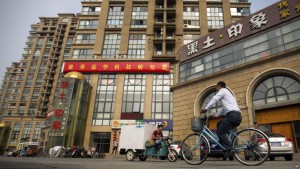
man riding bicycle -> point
(230, 110)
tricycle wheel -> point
(130, 155)
(172, 156)
(143, 158)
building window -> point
(276, 89)
(26, 132)
(191, 17)
(82, 53)
(240, 11)
(15, 133)
(92, 10)
(49, 42)
(239, 1)
(139, 17)
(88, 24)
(86, 38)
(100, 141)
(216, 107)
(134, 91)
(188, 38)
(115, 16)
(136, 48)
(40, 42)
(69, 42)
(215, 18)
(105, 100)
(111, 45)
(37, 131)
(162, 98)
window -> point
(216, 107)
(105, 100)
(82, 53)
(86, 38)
(136, 48)
(215, 18)
(69, 42)
(276, 89)
(49, 42)
(15, 133)
(92, 10)
(26, 132)
(37, 131)
(191, 17)
(187, 38)
(101, 141)
(240, 11)
(111, 45)
(115, 16)
(40, 42)
(88, 24)
(162, 98)
(139, 17)
(134, 91)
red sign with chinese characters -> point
(58, 112)
(56, 125)
(117, 67)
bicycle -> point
(251, 146)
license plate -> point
(276, 144)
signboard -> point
(117, 67)
(117, 124)
(273, 15)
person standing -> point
(230, 110)
(115, 147)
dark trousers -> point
(224, 126)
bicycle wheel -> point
(252, 147)
(195, 150)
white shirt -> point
(228, 102)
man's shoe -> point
(228, 153)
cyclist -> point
(230, 110)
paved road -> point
(121, 163)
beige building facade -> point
(111, 32)
(260, 65)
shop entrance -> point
(282, 120)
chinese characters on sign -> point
(281, 11)
(193, 48)
(117, 67)
(283, 7)
(258, 20)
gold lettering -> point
(128, 67)
(152, 67)
(164, 67)
(298, 8)
(70, 67)
(117, 67)
(140, 67)
(105, 66)
(94, 67)
(82, 66)
(283, 4)
(285, 13)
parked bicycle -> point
(251, 146)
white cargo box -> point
(134, 137)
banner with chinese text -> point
(117, 67)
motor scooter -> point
(150, 150)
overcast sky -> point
(16, 16)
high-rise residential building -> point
(29, 86)
(126, 50)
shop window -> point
(276, 89)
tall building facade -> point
(127, 51)
(29, 86)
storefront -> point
(258, 58)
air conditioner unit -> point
(185, 25)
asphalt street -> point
(121, 163)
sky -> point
(16, 16)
